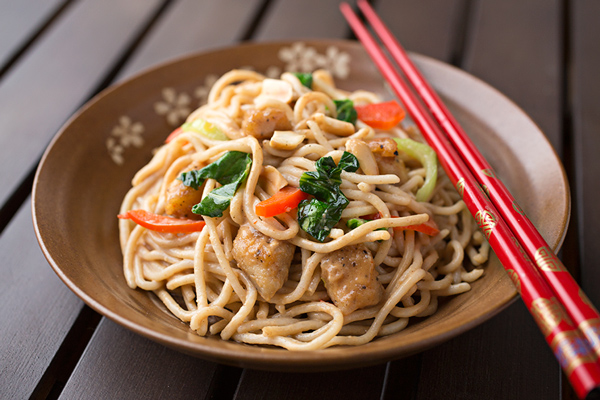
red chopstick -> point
(571, 348)
(566, 289)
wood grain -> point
(36, 309)
(468, 367)
(586, 139)
(505, 358)
(192, 26)
(46, 84)
(359, 384)
(307, 19)
(125, 369)
(515, 46)
(20, 21)
(430, 27)
(119, 364)
(49, 83)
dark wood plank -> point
(431, 27)
(401, 378)
(516, 47)
(505, 358)
(111, 364)
(359, 384)
(586, 140)
(193, 26)
(36, 309)
(136, 358)
(290, 19)
(60, 72)
(582, 147)
(20, 20)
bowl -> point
(88, 167)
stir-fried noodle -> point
(389, 256)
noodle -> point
(266, 280)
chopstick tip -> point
(344, 6)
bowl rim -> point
(335, 358)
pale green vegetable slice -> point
(204, 128)
(427, 158)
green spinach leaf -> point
(345, 110)
(305, 78)
(319, 215)
(225, 170)
(231, 170)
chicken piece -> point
(266, 260)
(180, 198)
(351, 279)
(385, 151)
(386, 147)
(262, 123)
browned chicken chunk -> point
(387, 147)
(262, 123)
(180, 198)
(266, 260)
(351, 279)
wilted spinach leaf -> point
(345, 110)
(231, 170)
(305, 78)
(319, 215)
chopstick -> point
(566, 289)
(571, 347)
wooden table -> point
(56, 54)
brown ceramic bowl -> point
(88, 167)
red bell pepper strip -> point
(162, 223)
(285, 200)
(429, 228)
(381, 115)
(174, 134)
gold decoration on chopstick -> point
(487, 222)
(591, 330)
(548, 314)
(485, 190)
(547, 261)
(488, 172)
(518, 208)
(571, 350)
(514, 277)
(460, 186)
